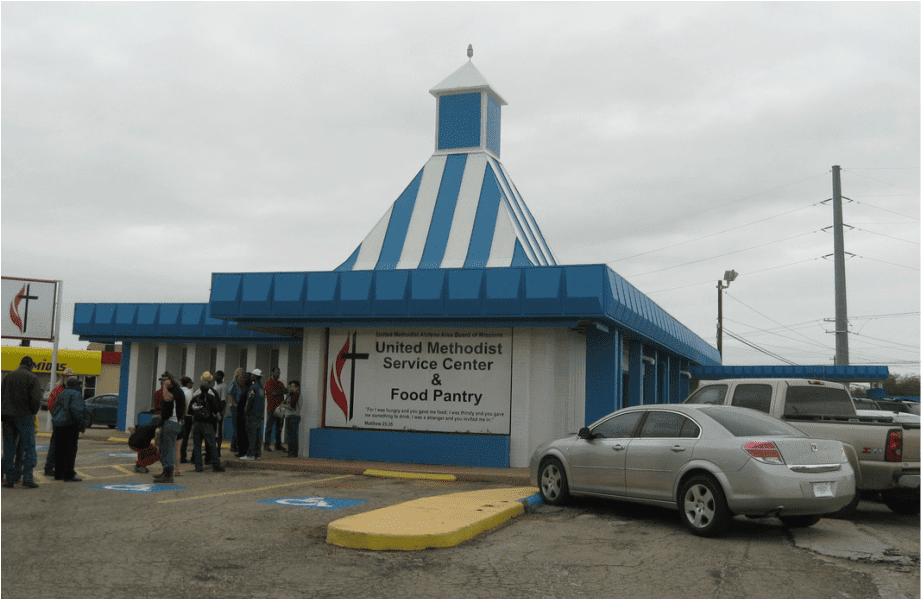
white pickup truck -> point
(884, 454)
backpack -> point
(201, 408)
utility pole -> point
(839, 257)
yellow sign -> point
(83, 362)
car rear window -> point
(750, 424)
(803, 400)
(711, 394)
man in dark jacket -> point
(205, 408)
(19, 403)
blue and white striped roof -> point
(462, 209)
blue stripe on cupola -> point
(462, 209)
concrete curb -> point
(432, 522)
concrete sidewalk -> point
(437, 521)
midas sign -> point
(83, 362)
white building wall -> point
(313, 365)
(548, 388)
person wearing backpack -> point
(69, 417)
(205, 408)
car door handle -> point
(617, 447)
(678, 448)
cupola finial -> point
(470, 51)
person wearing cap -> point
(172, 411)
(255, 412)
(52, 396)
(20, 399)
(142, 442)
(69, 418)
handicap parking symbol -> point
(314, 502)
(139, 488)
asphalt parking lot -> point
(262, 533)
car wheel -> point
(89, 421)
(800, 520)
(111, 426)
(901, 504)
(704, 506)
(553, 482)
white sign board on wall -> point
(28, 308)
(420, 379)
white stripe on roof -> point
(462, 225)
(418, 230)
(504, 238)
(370, 249)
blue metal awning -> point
(160, 322)
(554, 295)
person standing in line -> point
(172, 412)
(293, 417)
(186, 383)
(20, 399)
(220, 388)
(233, 392)
(52, 396)
(239, 391)
(70, 419)
(255, 411)
(275, 395)
(141, 441)
(205, 408)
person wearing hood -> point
(205, 408)
(52, 396)
(70, 418)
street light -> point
(728, 277)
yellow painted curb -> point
(115, 439)
(433, 522)
(408, 475)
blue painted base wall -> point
(408, 447)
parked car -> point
(709, 462)
(103, 410)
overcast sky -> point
(148, 145)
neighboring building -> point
(450, 336)
(99, 367)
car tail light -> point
(894, 446)
(765, 452)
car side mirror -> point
(585, 433)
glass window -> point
(619, 426)
(662, 424)
(110, 400)
(803, 400)
(709, 394)
(690, 429)
(756, 396)
(750, 424)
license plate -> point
(822, 489)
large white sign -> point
(420, 379)
(28, 308)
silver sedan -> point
(709, 462)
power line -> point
(712, 234)
(725, 254)
(887, 236)
(886, 262)
(760, 349)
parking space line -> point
(269, 487)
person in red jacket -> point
(141, 441)
(275, 395)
